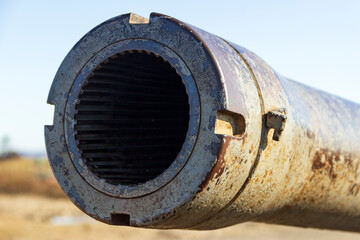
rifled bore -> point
(132, 118)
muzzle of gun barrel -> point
(160, 124)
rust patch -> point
(337, 156)
(310, 134)
(354, 189)
(323, 162)
(219, 166)
(348, 161)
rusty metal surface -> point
(234, 166)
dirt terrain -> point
(32, 206)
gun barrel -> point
(160, 124)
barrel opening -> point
(132, 118)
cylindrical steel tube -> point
(160, 124)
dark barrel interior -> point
(132, 118)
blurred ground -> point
(32, 206)
(34, 176)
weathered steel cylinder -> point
(160, 124)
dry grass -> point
(27, 212)
(19, 175)
(29, 217)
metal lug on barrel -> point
(276, 119)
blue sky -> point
(314, 42)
